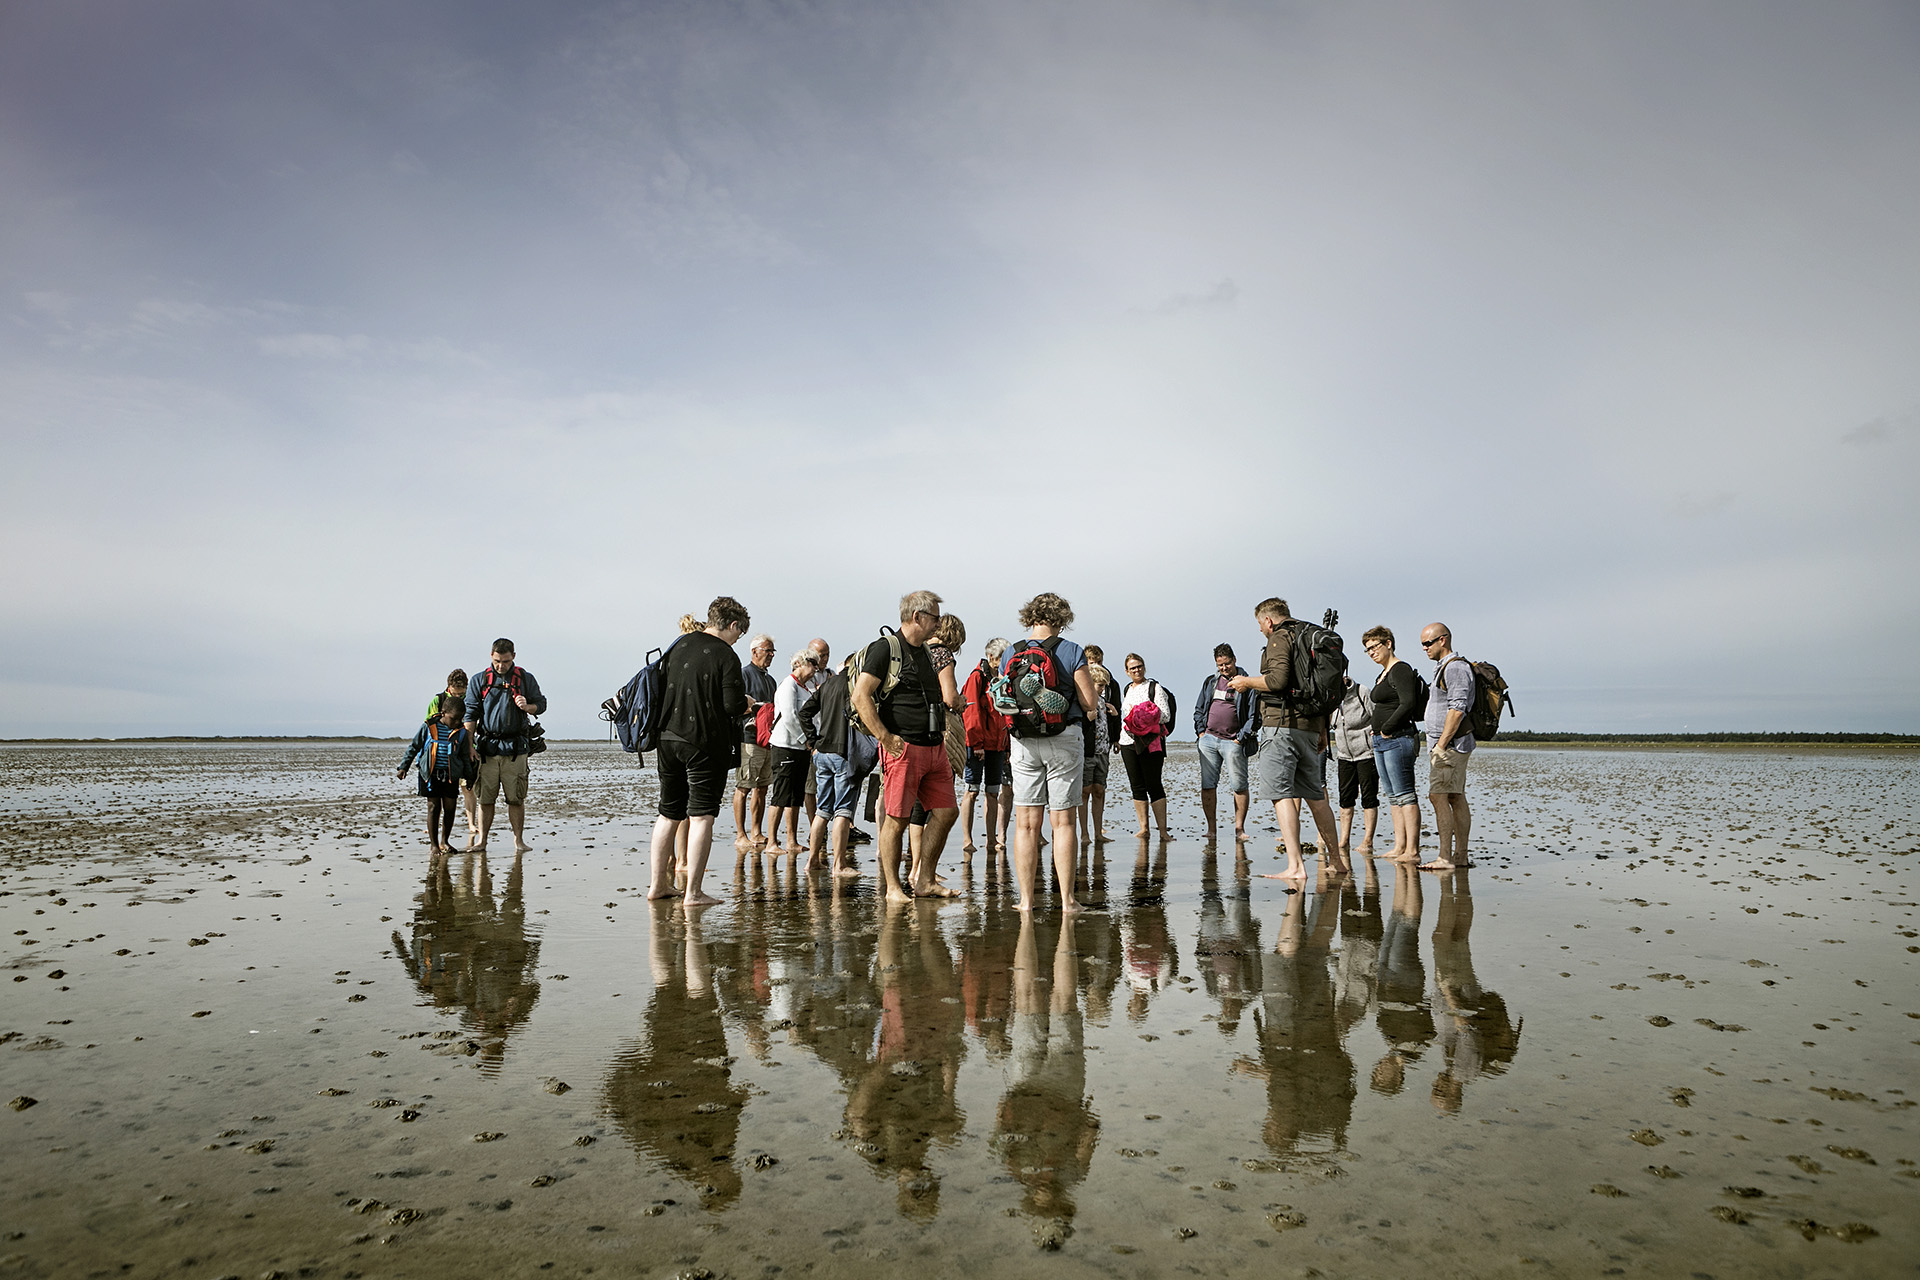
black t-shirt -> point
(913, 710)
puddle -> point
(1667, 1026)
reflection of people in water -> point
(1357, 971)
(1153, 958)
(1308, 1073)
(466, 954)
(1046, 1128)
(1476, 1033)
(671, 1092)
(904, 1106)
(1227, 950)
(1406, 1023)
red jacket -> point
(986, 728)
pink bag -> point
(1143, 722)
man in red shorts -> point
(898, 697)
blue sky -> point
(337, 339)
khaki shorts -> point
(502, 773)
(1447, 772)
(756, 768)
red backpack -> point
(1036, 657)
(763, 725)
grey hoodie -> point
(1351, 728)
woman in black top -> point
(1397, 702)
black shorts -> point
(691, 780)
(789, 785)
(1359, 779)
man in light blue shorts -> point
(1047, 750)
(1226, 726)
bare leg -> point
(472, 803)
(1066, 852)
(486, 825)
(1099, 815)
(517, 819)
(843, 847)
(773, 829)
(1332, 855)
(449, 809)
(1140, 817)
(891, 831)
(1287, 814)
(966, 823)
(1443, 830)
(664, 832)
(680, 852)
(793, 830)
(759, 816)
(933, 839)
(1240, 801)
(1208, 799)
(699, 845)
(1006, 813)
(991, 822)
(1026, 853)
(1346, 829)
(1370, 819)
(740, 835)
(1159, 808)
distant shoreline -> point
(1811, 741)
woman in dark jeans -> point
(1397, 703)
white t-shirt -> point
(1136, 694)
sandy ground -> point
(1666, 1027)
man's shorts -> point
(986, 770)
(1290, 766)
(1047, 772)
(1447, 772)
(1222, 756)
(502, 773)
(918, 775)
(756, 767)
(1094, 772)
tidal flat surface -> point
(1666, 1027)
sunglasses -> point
(1428, 644)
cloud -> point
(1882, 429)
(1222, 295)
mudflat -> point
(1666, 1027)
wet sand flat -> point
(1667, 1027)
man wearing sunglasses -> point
(1450, 743)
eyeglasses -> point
(1428, 644)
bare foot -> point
(777, 851)
(1165, 834)
(936, 890)
(1438, 865)
(1071, 907)
(1024, 908)
(521, 846)
(846, 871)
(899, 895)
(969, 847)
(1366, 849)
(661, 891)
(699, 899)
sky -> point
(337, 339)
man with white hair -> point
(756, 761)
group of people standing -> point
(1031, 728)
(475, 744)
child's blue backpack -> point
(634, 712)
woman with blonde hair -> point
(1093, 775)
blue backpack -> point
(634, 712)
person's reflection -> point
(1405, 1021)
(670, 1091)
(1153, 958)
(468, 954)
(1308, 1073)
(834, 1000)
(1227, 950)
(1476, 1032)
(1357, 972)
(904, 1107)
(1046, 1129)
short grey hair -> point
(762, 639)
(804, 658)
(917, 602)
(996, 647)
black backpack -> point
(1317, 676)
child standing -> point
(456, 691)
(441, 746)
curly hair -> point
(457, 678)
(690, 623)
(951, 632)
(1046, 610)
(725, 611)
